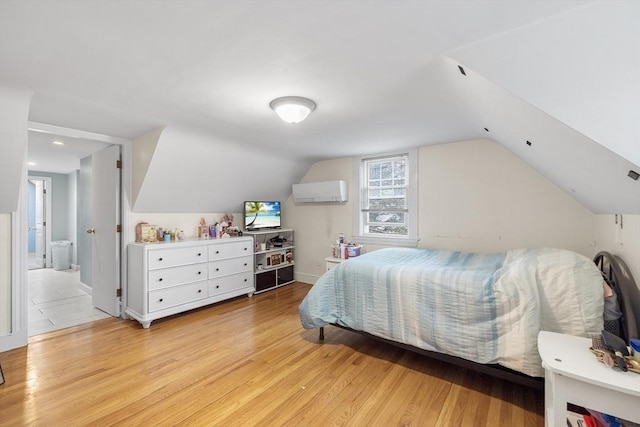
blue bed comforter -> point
(487, 308)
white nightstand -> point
(572, 374)
(333, 262)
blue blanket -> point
(487, 308)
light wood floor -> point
(245, 362)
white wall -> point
(318, 225)
(72, 216)
(477, 196)
(5, 274)
(623, 242)
(14, 112)
(190, 171)
(474, 196)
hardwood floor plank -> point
(244, 362)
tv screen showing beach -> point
(261, 215)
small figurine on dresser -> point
(227, 219)
(203, 229)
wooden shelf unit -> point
(273, 265)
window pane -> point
(374, 171)
(387, 204)
(386, 183)
(386, 217)
(397, 231)
(386, 171)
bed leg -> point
(322, 333)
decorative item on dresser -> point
(169, 278)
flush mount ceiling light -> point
(292, 109)
(58, 142)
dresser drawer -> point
(230, 266)
(171, 297)
(231, 249)
(167, 277)
(171, 257)
(234, 282)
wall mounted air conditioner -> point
(316, 192)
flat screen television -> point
(260, 215)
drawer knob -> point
(217, 252)
(217, 269)
(245, 249)
(245, 264)
(199, 272)
(245, 280)
(199, 254)
(159, 259)
(160, 279)
(217, 286)
(161, 300)
(199, 290)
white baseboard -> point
(14, 340)
(306, 278)
(85, 288)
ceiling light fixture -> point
(58, 142)
(292, 109)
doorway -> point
(39, 215)
(64, 295)
(19, 287)
(56, 297)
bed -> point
(481, 311)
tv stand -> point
(273, 265)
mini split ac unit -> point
(316, 192)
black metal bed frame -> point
(620, 279)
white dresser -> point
(169, 278)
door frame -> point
(47, 216)
(19, 222)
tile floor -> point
(56, 301)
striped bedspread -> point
(487, 308)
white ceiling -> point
(45, 156)
(375, 70)
(124, 68)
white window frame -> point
(359, 175)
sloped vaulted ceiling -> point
(581, 67)
(577, 164)
(570, 85)
(563, 75)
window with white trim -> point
(386, 210)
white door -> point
(105, 218)
(39, 222)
